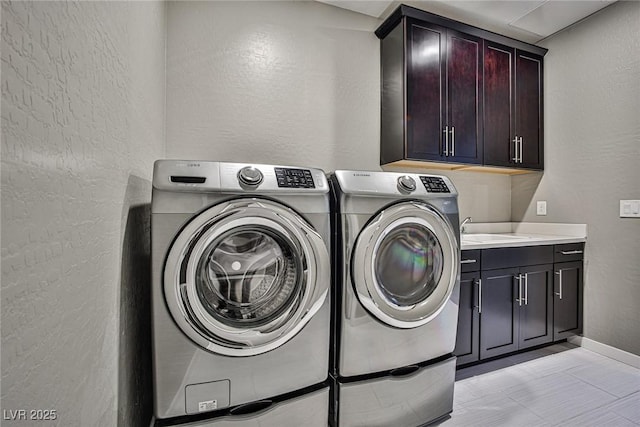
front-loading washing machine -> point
(396, 288)
(240, 289)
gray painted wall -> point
(592, 160)
(82, 122)
(289, 83)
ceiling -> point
(526, 20)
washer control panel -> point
(434, 184)
(294, 178)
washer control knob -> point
(406, 184)
(250, 176)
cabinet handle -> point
(570, 252)
(479, 296)
(446, 141)
(520, 149)
(453, 141)
(519, 299)
(468, 261)
(526, 289)
(515, 148)
(559, 273)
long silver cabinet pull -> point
(515, 148)
(479, 296)
(559, 273)
(570, 252)
(453, 141)
(520, 149)
(468, 261)
(526, 289)
(446, 141)
(519, 279)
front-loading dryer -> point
(396, 289)
(240, 285)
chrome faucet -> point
(466, 220)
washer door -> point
(245, 276)
(405, 264)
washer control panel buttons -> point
(294, 178)
(434, 184)
(250, 176)
(406, 184)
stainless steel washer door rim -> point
(279, 287)
(405, 264)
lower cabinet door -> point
(536, 310)
(467, 338)
(567, 300)
(499, 320)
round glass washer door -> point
(245, 276)
(406, 264)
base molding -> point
(606, 350)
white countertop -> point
(517, 234)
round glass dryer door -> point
(245, 276)
(405, 264)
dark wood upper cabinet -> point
(458, 95)
(528, 107)
(425, 83)
(443, 86)
(512, 108)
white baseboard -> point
(606, 350)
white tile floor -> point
(561, 385)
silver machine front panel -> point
(240, 283)
(399, 284)
(404, 401)
(310, 409)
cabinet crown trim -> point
(407, 11)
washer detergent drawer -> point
(404, 401)
(310, 409)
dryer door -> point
(405, 264)
(245, 276)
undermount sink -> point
(481, 237)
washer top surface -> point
(389, 184)
(238, 178)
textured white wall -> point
(289, 83)
(83, 88)
(592, 150)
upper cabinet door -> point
(512, 108)
(425, 91)
(444, 83)
(464, 105)
(529, 110)
(499, 120)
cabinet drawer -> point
(516, 257)
(470, 261)
(568, 252)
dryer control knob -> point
(250, 176)
(406, 184)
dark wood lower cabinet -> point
(499, 318)
(517, 309)
(514, 305)
(536, 311)
(567, 300)
(467, 347)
